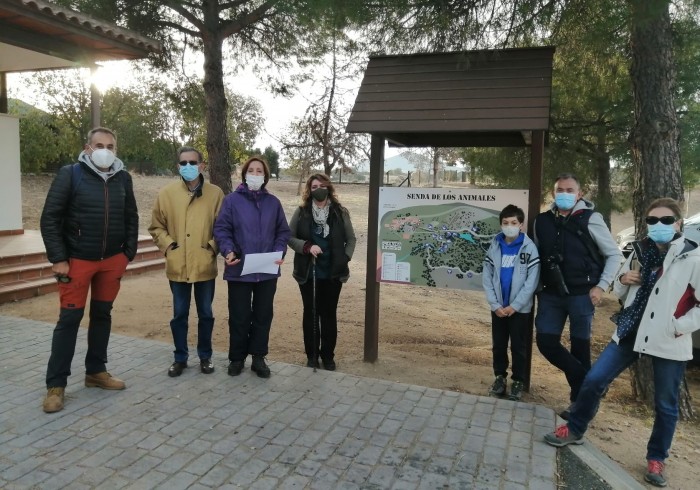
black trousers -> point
(327, 294)
(513, 328)
(249, 317)
(65, 336)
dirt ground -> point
(431, 337)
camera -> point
(553, 275)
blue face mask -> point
(189, 172)
(564, 200)
(661, 233)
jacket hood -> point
(580, 205)
(243, 189)
(105, 174)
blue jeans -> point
(552, 312)
(667, 379)
(203, 298)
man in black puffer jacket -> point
(90, 229)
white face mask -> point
(102, 158)
(510, 231)
(254, 182)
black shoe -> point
(235, 367)
(312, 363)
(328, 364)
(259, 367)
(566, 412)
(206, 366)
(176, 369)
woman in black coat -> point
(322, 238)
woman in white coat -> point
(660, 313)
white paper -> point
(264, 263)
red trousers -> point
(103, 277)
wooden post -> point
(95, 109)
(533, 209)
(376, 173)
(3, 93)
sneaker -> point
(54, 400)
(328, 364)
(206, 366)
(235, 367)
(498, 388)
(654, 473)
(562, 436)
(104, 380)
(258, 366)
(516, 391)
(176, 369)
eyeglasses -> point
(60, 278)
(666, 220)
(190, 162)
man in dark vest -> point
(579, 261)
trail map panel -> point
(439, 237)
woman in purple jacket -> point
(251, 221)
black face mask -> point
(319, 194)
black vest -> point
(559, 243)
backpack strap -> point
(76, 177)
(575, 226)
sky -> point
(278, 111)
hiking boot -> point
(235, 367)
(312, 363)
(562, 436)
(328, 364)
(258, 366)
(654, 473)
(498, 388)
(516, 391)
(206, 366)
(104, 380)
(176, 369)
(54, 400)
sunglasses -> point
(666, 220)
(60, 278)
(190, 162)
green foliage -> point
(42, 142)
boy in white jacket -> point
(510, 276)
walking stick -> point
(313, 312)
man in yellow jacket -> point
(182, 226)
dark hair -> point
(185, 149)
(256, 158)
(306, 195)
(666, 202)
(511, 211)
(100, 129)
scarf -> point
(651, 260)
(320, 215)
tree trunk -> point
(654, 139)
(436, 166)
(604, 196)
(216, 107)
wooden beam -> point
(536, 171)
(376, 172)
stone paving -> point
(298, 429)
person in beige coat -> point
(182, 226)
